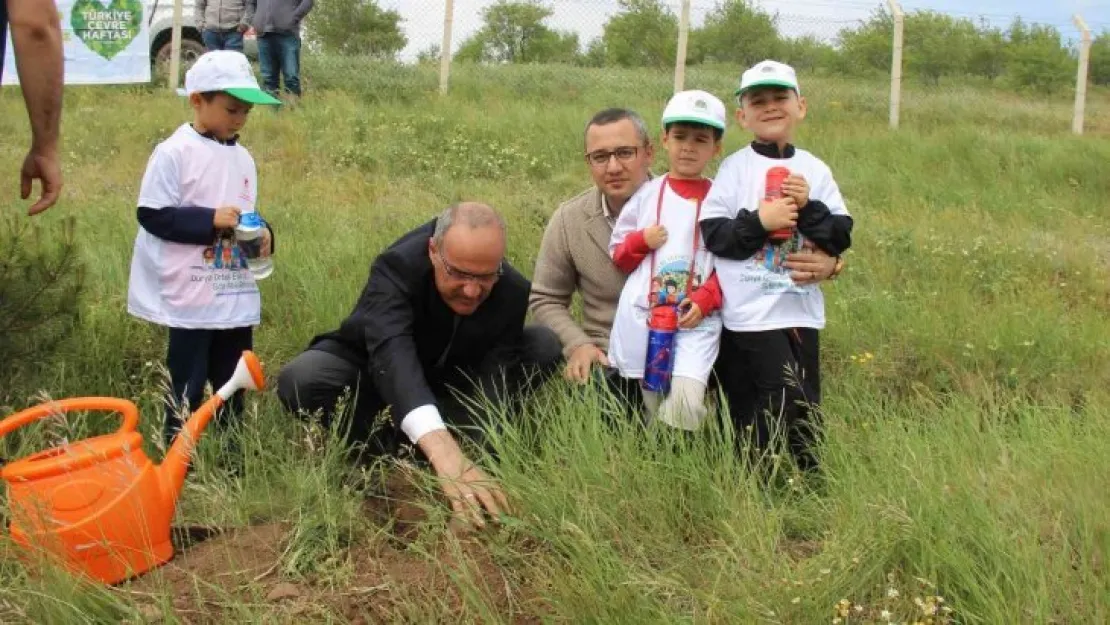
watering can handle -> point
(127, 408)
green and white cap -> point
(768, 74)
(696, 106)
(228, 71)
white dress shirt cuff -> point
(421, 420)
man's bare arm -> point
(37, 43)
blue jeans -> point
(280, 52)
(222, 39)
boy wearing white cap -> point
(657, 242)
(187, 272)
(769, 199)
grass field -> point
(965, 369)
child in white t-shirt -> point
(657, 241)
(187, 271)
(769, 357)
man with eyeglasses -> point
(442, 311)
(574, 253)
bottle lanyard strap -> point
(697, 239)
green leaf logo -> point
(107, 30)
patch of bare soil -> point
(405, 572)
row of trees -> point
(644, 33)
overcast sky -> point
(423, 19)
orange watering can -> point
(100, 506)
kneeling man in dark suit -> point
(442, 312)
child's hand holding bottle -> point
(778, 214)
(226, 217)
(795, 186)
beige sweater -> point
(574, 256)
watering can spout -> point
(248, 375)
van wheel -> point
(190, 52)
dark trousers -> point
(316, 380)
(770, 380)
(195, 357)
(222, 40)
(627, 392)
(280, 54)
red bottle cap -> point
(664, 318)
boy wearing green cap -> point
(187, 272)
(657, 242)
(768, 199)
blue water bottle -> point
(662, 330)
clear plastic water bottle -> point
(662, 330)
(249, 236)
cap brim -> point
(252, 96)
(770, 82)
(696, 120)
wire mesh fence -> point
(905, 57)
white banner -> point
(106, 42)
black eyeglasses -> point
(458, 274)
(599, 158)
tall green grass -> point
(965, 368)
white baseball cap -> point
(695, 106)
(228, 71)
(769, 73)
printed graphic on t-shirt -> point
(671, 283)
(224, 254)
(768, 264)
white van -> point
(161, 32)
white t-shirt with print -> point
(758, 292)
(181, 285)
(666, 281)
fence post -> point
(445, 46)
(1081, 79)
(175, 47)
(896, 64)
(680, 54)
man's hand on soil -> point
(466, 486)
